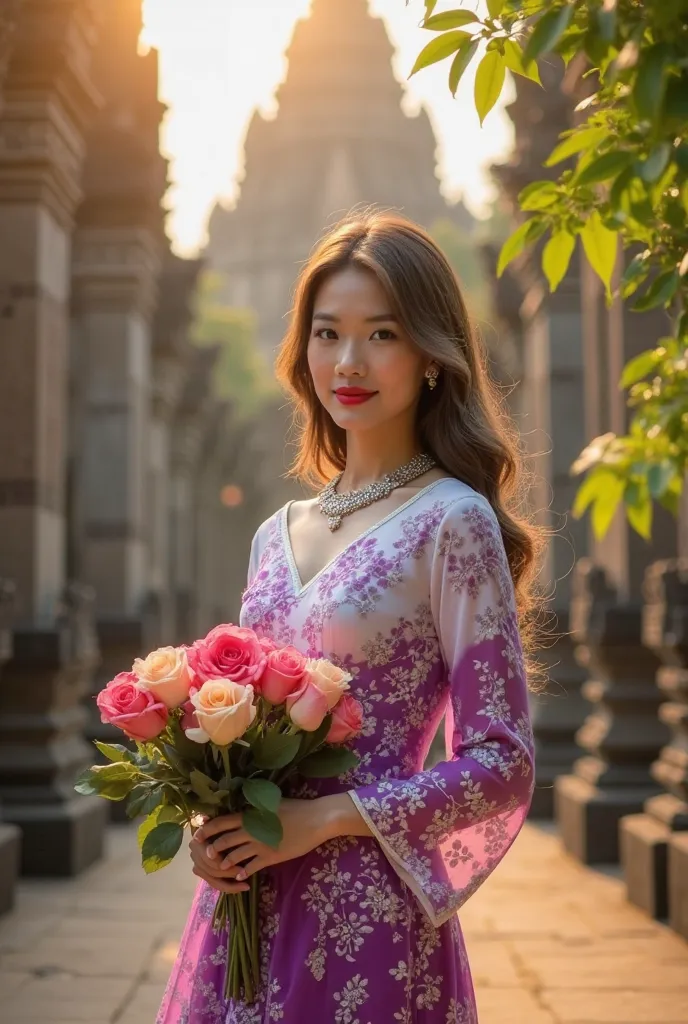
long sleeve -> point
(445, 830)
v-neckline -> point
(299, 587)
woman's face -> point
(365, 369)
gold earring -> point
(431, 376)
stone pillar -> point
(645, 838)
(550, 417)
(172, 355)
(623, 735)
(48, 100)
(116, 265)
(10, 835)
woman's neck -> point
(368, 460)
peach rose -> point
(137, 712)
(330, 680)
(165, 673)
(224, 711)
(267, 645)
(307, 706)
(347, 719)
(228, 652)
(283, 674)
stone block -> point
(588, 818)
(10, 848)
(643, 845)
(678, 884)
(60, 839)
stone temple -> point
(340, 139)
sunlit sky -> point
(220, 59)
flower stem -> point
(254, 926)
(244, 944)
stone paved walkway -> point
(550, 943)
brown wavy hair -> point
(463, 423)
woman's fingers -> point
(211, 828)
(227, 842)
(238, 854)
(218, 884)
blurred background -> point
(165, 168)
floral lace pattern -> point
(364, 930)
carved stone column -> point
(48, 101)
(550, 416)
(623, 735)
(10, 835)
(645, 838)
(117, 254)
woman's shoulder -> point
(457, 495)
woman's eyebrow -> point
(378, 318)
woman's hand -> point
(210, 870)
(306, 824)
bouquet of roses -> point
(218, 728)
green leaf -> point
(610, 489)
(263, 794)
(430, 6)
(660, 292)
(204, 787)
(494, 7)
(439, 48)
(513, 59)
(114, 751)
(556, 257)
(84, 783)
(143, 799)
(489, 79)
(600, 246)
(547, 32)
(609, 165)
(639, 508)
(328, 763)
(122, 770)
(659, 478)
(160, 845)
(635, 273)
(311, 740)
(461, 62)
(538, 195)
(585, 138)
(638, 368)
(275, 750)
(526, 233)
(449, 19)
(265, 827)
(653, 166)
(650, 82)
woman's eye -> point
(326, 333)
(384, 335)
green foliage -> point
(241, 372)
(275, 750)
(262, 794)
(624, 186)
(160, 845)
(263, 826)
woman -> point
(411, 571)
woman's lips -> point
(353, 398)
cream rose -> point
(330, 680)
(166, 674)
(224, 711)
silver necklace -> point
(335, 506)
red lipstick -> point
(353, 396)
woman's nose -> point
(350, 358)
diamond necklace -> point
(335, 506)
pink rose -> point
(347, 719)
(137, 712)
(228, 652)
(330, 680)
(283, 674)
(267, 644)
(307, 706)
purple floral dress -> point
(420, 610)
